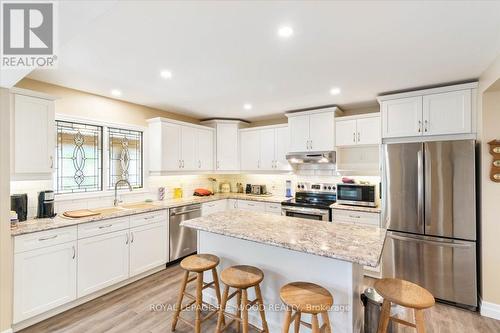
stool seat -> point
(242, 276)
(306, 297)
(404, 293)
(199, 262)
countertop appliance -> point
(259, 189)
(45, 204)
(429, 208)
(182, 239)
(312, 201)
(248, 188)
(356, 194)
(19, 204)
(225, 188)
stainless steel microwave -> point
(356, 195)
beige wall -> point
(5, 239)
(78, 103)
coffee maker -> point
(45, 204)
(19, 204)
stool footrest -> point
(402, 322)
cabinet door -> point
(402, 117)
(102, 261)
(205, 149)
(447, 113)
(213, 207)
(322, 131)
(148, 247)
(368, 131)
(250, 150)
(227, 147)
(345, 133)
(34, 135)
(44, 279)
(171, 147)
(299, 133)
(267, 149)
(282, 143)
(189, 140)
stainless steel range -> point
(312, 201)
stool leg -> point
(297, 322)
(222, 308)
(315, 323)
(238, 311)
(199, 288)
(419, 321)
(179, 300)
(385, 315)
(244, 310)
(288, 317)
(216, 285)
(326, 321)
(262, 312)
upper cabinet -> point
(177, 146)
(264, 148)
(312, 130)
(227, 157)
(357, 130)
(33, 133)
(438, 111)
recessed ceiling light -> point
(166, 74)
(335, 91)
(247, 106)
(285, 31)
(116, 92)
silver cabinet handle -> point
(359, 136)
(199, 164)
(47, 238)
(419, 126)
(105, 226)
(311, 144)
(74, 252)
(126, 242)
(180, 164)
(426, 123)
(149, 217)
(355, 216)
(235, 205)
(353, 136)
(132, 235)
(217, 165)
(52, 162)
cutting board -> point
(80, 213)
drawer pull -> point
(74, 252)
(355, 216)
(150, 217)
(47, 238)
(105, 226)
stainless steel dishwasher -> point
(182, 240)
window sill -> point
(100, 194)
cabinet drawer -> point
(352, 216)
(252, 205)
(274, 208)
(41, 239)
(102, 227)
(148, 218)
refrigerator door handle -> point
(425, 241)
(420, 189)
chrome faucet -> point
(116, 201)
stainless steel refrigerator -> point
(429, 207)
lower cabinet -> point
(213, 207)
(148, 247)
(273, 208)
(102, 261)
(44, 278)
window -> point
(125, 157)
(79, 157)
(92, 158)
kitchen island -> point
(293, 249)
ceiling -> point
(224, 54)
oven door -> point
(306, 213)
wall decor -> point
(495, 164)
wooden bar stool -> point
(305, 297)
(406, 294)
(241, 278)
(198, 264)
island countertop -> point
(354, 243)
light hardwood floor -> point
(128, 309)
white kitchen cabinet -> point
(102, 261)
(165, 146)
(213, 207)
(148, 247)
(254, 206)
(205, 148)
(357, 130)
(264, 148)
(430, 112)
(34, 135)
(189, 148)
(447, 113)
(44, 278)
(312, 130)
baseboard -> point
(7, 331)
(490, 310)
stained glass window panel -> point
(125, 157)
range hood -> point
(320, 157)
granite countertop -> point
(356, 208)
(354, 243)
(34, 225)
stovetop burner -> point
(319, 196)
